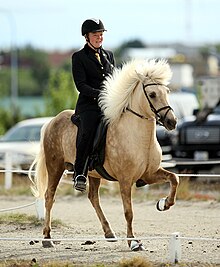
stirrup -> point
(80, 183)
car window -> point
(25, 133)
(217, 110)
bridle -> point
(160, 119)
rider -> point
(90, 66)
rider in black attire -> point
(90, 66)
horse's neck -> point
(133, 126)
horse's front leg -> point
(93, 196)
(162, 176)
(125, 189)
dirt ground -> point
(192, 219)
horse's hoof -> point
(136, 246)
(47, 244)
(142, 248)
(111, 238)
(161, 204)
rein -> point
(160, 119)
(139, 115)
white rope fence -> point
(39, 203)
(109, 239)
(9, 170)
(81, 239)
(69, 172)
(18, 207)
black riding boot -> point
(80, 178)
(80, 182)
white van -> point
(183, 103)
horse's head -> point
(157, 97)
(154, 79)
(141, 88)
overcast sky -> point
(56, 24)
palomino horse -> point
(133, 99)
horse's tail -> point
(40, 180)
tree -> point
(8, 120)
(62, 93)
(35, 65)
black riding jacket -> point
(89, 74)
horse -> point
(133, 100)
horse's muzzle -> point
(170, 124)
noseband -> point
(160, 119)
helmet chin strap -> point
(88, 41)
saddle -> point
(97, 157)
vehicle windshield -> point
(24, 133)
(217, 110)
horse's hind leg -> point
(93, 196)
(53, 181)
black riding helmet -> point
(92, 25)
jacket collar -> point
(91, 52)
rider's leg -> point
(88, 126)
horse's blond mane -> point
(115, 96)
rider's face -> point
(96, 38)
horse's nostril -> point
(171, 124)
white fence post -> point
(175, 248)
(8, 167)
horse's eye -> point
(152, 95)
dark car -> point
(178, 101)
(164, 139)
(196, 142)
